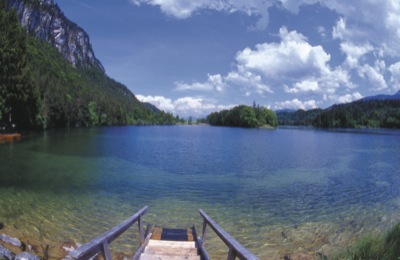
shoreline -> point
(306, 241)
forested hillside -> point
(39, 89)
(363, 113)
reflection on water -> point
(275, 191)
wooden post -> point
(141, 231)
(231, 254)
(203, 237)
(106, 251)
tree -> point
(17, 95)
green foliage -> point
(17, 96)
(369, 113)
(385, 247)
(300, 117)
(42, 90)
(363, 113)
(243, 116)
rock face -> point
(44, 20)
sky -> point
(194, 57)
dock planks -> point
(170, 244)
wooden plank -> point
(172, 244)
(156, 231)
(164, 257)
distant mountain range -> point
(383, 97)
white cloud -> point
(347, 98)
(185, 106)
(295, 62)
(303, 86)
(322, 31)
(374, 75)
(374, 22)
(395, 78)
(162, 103)
(182, 9)
(354, 52)
(291, 62)
(248, 81)
(214, 82)
(292, 57)
(296, 104)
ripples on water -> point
(275, 191)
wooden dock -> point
(164, 243)
(169, 244)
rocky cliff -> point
(45, 20)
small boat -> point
(10, 137)
(164, 243)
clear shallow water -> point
(276, 191)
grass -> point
(379, 247)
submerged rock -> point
(299, 256)
(5, 253)
(10, 240)
(26, 256)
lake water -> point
(275, 191)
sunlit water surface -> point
(276, 191)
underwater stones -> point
(5, 253)
(10, 240)
(299, 256)
(26, 256)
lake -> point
(275, 191)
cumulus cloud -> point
(185, 106)
(395, 77)
(291, 62)
(374, 76)
(368, 33)
(214, 82)
(185, 8)
(303, 86)
(354, 52)
(295, 62)
(296, 104)
(349, 98)
(292, 57)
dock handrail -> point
(101, 242)
(235, 248)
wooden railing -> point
(101, 243)
(235, 248)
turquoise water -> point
(276, 191)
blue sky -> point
(195, 57)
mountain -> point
(384, 97)
(44, 20)
(47, 82)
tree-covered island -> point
(244, 116)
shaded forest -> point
(363, 113)
(39, 89)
